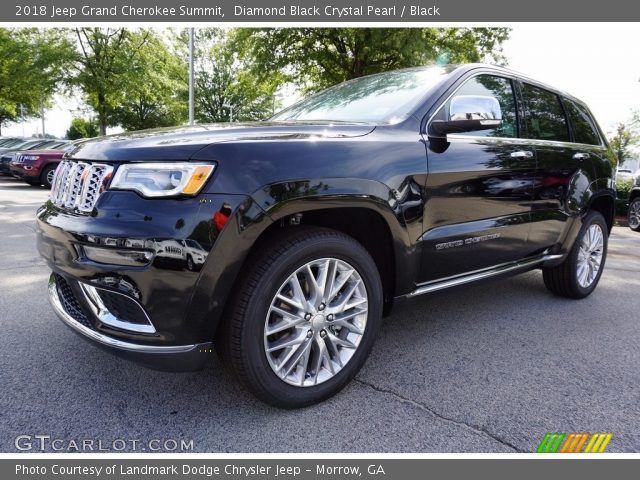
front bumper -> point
(183, 306)
(173, 358)
(19, 171)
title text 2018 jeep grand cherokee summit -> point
(392, 185)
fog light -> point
(134, 258)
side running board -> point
(481, 274)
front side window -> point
(545, 119)
(584, 130)
(499, 88)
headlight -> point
(162, 179)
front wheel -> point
(633, 215)
(305, 317)
(47, 175)
(580, 273)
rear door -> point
(479, 189)
(547, 129)
(587, 140)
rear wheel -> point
(633, 215)
(47, 175)
(580, 273)
(305, 317)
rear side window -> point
(502, 90)
(584, 130)
(545, 117)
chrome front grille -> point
(77, 185)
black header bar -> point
(319, 11)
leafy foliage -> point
(82, 128)
(103, 68)
(225, 83)
(621, 143)
(156, 94)
(319, 57)
(33, 64)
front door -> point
(479, 188)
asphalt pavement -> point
(488, 368)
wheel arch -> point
(361, 209)
(605, 204)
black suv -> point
(306, 227)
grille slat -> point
(77, 185)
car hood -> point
(181, 143)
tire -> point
(46, 177)
(633, 216)
(244, 339)
(190, 264)
(568, 279)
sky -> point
(598, 63)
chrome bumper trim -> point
(104, 339)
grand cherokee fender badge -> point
(467, 241)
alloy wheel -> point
(50, 174)
(315, 322)
(634, 215)
(590, 255)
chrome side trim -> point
(103, 339)
(105, 316)
(480, 275)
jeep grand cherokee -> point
(312, 223)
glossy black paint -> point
(423, 191)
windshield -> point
(381, 98)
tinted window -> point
(502, 90)
(545, 115)
(584, 130)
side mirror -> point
(469, 113)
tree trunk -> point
(102, 114)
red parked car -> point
(37, 167)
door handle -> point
(522, 154)
(580, 156)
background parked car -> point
(38, 167)
(624, 173)
(633, 214)
(7, 154)
(24, 144)
(9, 141)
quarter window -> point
(545, 117)
(584, 130)
(502, 90)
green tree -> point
(82, 128)
(104, 70)
(156, 92)
(621, 143)
(33, 65)
(316, 58)
(225, 88)
(222, 77)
